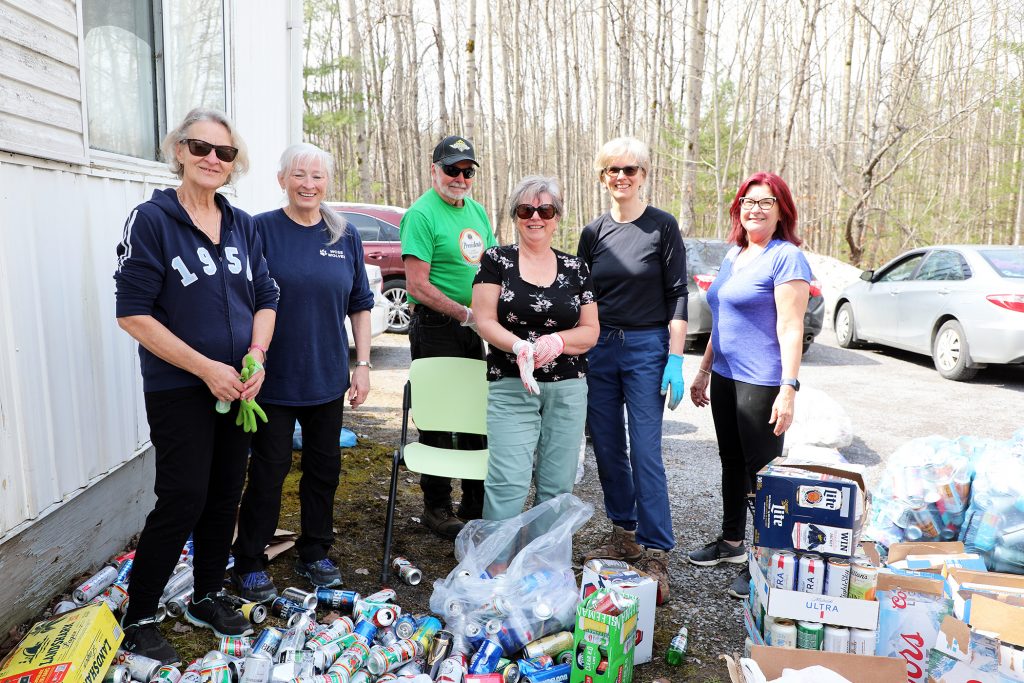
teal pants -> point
(531, 438)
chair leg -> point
(385, 569)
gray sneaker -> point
(718, 551)
(740, 586)
(322, 573)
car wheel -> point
(398, 306)
(950, 353)
(846, 330)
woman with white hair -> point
(192, 288)
(318, 264)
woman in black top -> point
(534, 306)
(638, 264)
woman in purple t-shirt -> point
(751, 363)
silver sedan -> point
(961, 304)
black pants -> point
(269, 465)
(746, 443)
(433, 334)
(200, 466)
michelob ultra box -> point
(74, 647)
(809, 507)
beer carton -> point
(622, 577)
(911, 610)
(854, 668)
(604, 644)
(74, 647)
(809, 507)
(986, 650)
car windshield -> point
(1007, 262)
(705, 256)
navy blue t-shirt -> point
(321, 284)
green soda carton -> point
(604, 638)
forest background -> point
(896, 123)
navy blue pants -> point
(625, 369)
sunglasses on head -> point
(628, 171)
(453, 171)
(201, 148)
(546, 211)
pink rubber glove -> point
(548, 348)
(525, 360)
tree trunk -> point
(694, 87)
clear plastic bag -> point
(818, 420)
(994, 523)
(514, 582)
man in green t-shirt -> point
(444, 234)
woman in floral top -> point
(535, 307)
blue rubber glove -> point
(673, 376)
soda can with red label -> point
(236, 646)
(782, 570)
(811, 575)
(407, 571)
(95, 584)
(166, 674)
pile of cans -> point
(840, 577)
(994, 527)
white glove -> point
(548, 348)
(470, 321)
(525, 360)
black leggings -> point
(200, 466)
(746, 443)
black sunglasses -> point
(628, 171)
(546, 211)
(453, 171)
(201, 148)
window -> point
(366, 225)
(942, 265)
(902, 270)
(388, 232)
(147, 63)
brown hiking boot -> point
(619, 545)
(442, 521)
(654, 563)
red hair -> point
(786, 228)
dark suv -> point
(703, 259)
(378, 227)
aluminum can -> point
(836, 639)
(336, 599)
(117, 673)
(268, 641)
(124, 571)
(284, 608)
(405, 626)
(862, 641)
(441, 646)
(177, 605)
(811, 574)
(179, 582)
(425, 631)
(191, 672)
(362, 676)
(305, 598)
(384, 617)
(64, 606)
(141, 668)
(410, 669)
(337, 628)
(610, 603)
(166, 674)
(552, 674)
(531, 664)
(810, 635)
(837, 577)
(493, 677)
(236, 646)
(383, 595)
(306, 621)
(510, 673)
(493, 626)
(564, 657)
(399, 653)
(407, 571)
(365, 628)
(781, 633)
(95, 584)
(451, 670)
(255, 612)
(551, 645)
(542, 611)
(258, 668)
(474, 634)
(115, 596)
(485, 660)
(863, 580)
(352, 659)
(215, 668)
(454, 607)
(326, 655)
(782, 570)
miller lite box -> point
(809, 507)
(73, 647)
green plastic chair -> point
(443, 395)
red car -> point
(378, 227)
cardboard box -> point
(622, 577)
(935, 558)
(790, 604)
(911, 609)
(809, 507)
(603, 638)
(978, 652)
(962, 585)
(855, 668)
(74, 647)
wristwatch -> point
(792, 382)
(360, 363)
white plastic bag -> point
(818, 421)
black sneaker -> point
(718, 551)
(145, 639)
(740, 586)
(442, 521)
(254, 586)
(216, 613)
(322, 573)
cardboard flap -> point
(997, 617)
(900, 551)
(888, 581)
(954, 638)
(855, 668)
(996, 580)
(855, 473)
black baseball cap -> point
(454, 149)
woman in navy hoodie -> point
(193, 289)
